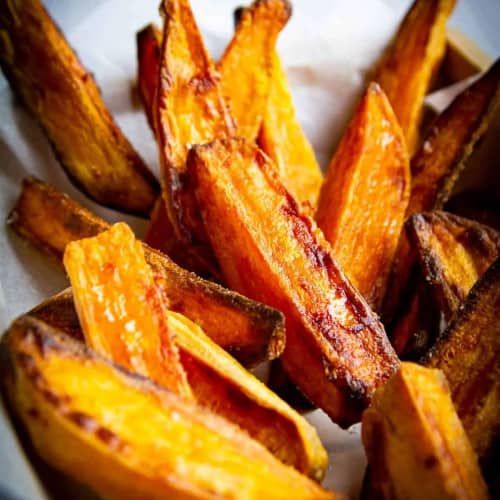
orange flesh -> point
(409, 64)
(284, 141)
(121, 309)
(364, 198)
(268, 250)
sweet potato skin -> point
(451, 140)
(453, 254)
(222, 386)
(189, 109)
(364, 197)
(250, 331)
(336, 350)
(85, 416)
(148, 41)
(246, 65)
(61, 95)
(121, 309)
(415, 443)
(410, 62)
(468, 352)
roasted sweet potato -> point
(336, 351)
(250, 331)
(468, 353)
(121, 309)
(365, 195)
(453, 253)
(189, 109)
(245, 66)
(283, 139)
(435, 168)
(220, 384)
(410, 62)
(61, 95)
(148, 65)
(414, 441)
(126, 437)
(451, 140)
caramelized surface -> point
(437, 165)
(415, 443)
(246, 65)
(410, 62)
(469, 355)
(453, 254)
(223, 386)
(61, 95)
(365, 195)
(336, 350)
(284, 141)
(250, 331)
(86, 417)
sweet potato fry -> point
(468, 353)
(414, 441)
(245, 66)
(283, 139)
(221, 385)
(410, 62)
(189, 109)
(336, 351)
(148, 65)
(453, 253)
(121, 309)
(365, 195)
(436, 166)
(451, 140)
(61, 95)
(85, 416)
(250, 331)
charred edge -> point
(489, 280)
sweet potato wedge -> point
(60, 93)
(284, 141)
(453, 253)
(121, 309)
(363, 200)
(245, 66)
(336, 351)
(189, 109)
(451, 140)
(408, 65)
(468, 353)
(125, 436)
(148, 65)
(436, 166)
(220, 384)
(415, 443)
(250, 331)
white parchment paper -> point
(327, 48)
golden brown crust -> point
(468, 353)
(453, 254)
(250, 331)
(85, 416)
(61, 95)
(414, 441)
(364, 197)
(410, 62)
(268, 248)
